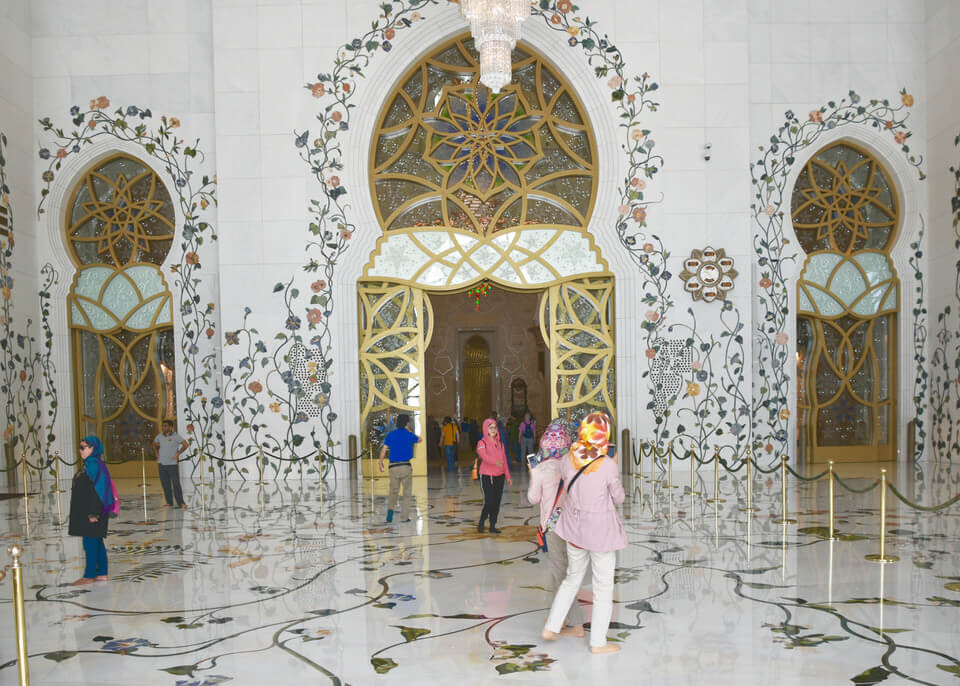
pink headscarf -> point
(555, 441)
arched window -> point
(448, 152)
(120, 225)
(846, 217)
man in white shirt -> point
(168, 446)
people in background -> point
(399, 443)
(465, 434)
(493, 469)
(449, 437)
(544, 487)
(590, 525)
(500, 427)
(513, 431)
(474, 433)
(167, 447)
(433, 440)
(528, 433)
(93, 499)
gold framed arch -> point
(119, 227)
(469, 186)
(846, 216)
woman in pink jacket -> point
(493, 469)
(590, 525)
(544, 485)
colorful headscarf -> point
(555, 441)
(593, 439)
(97, 470)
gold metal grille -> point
(447, 152)
(846, 217)
(396, 324)
(120, 226)
(576, 319)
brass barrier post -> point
(883, 557)
(143, 480)
(749, 507)
(19, 617)
(260, 482)
(784, 519)
(832, 536)
(57, 490)
(693, 474)
(716, 478)
(625, 444)
(670, 466)
(26, 496)
(352, 451)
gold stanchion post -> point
(716, 478)
(26, 495)
(749, 507)
(693, 474)
(56, 475)
(784, 519)
(143, 479)
(832, 536)
(670, 466)
(883, 557)
(19, 617)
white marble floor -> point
(306, 584)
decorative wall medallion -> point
(708, 274)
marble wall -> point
(234, 71)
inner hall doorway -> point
(486, 354)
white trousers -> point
(602, 566)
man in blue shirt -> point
(399, 443)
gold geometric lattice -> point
(121, 214)
(448, 153)
(843, 201)
(846, 217)
(396, 324)
(119, 227)
(527, 257)
(576, 319)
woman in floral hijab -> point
(544, 486)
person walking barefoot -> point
(590, 525)
(92, 501)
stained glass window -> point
(120, 227)
(447, 152)
(845, 213)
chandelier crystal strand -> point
(495, 25)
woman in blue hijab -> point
(92, 501)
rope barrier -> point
(918, 506)
(856, 490)
(807, 478)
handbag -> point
(475, 472)
(555, 512)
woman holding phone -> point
(545, 484)
(590, 525)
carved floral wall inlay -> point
(708, 274)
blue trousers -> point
(451, 451)
(96, 553)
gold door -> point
(846, 218)
(576, 319)
(396, 323)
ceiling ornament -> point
(495, 25)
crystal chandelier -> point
(495, 25)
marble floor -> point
(305, 583)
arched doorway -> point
(846, 216)
(470, 186)
(477, 378)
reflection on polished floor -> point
(303, 583)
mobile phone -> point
(532, 460)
